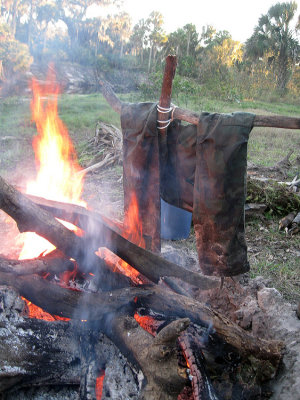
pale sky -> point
(239, 17)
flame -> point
(99, 385)
(56, 161)
(133, 229)
(38, 313)
(57, 177)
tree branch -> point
(276, 121)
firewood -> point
(109, 311)
(147, 263)
(94, 306)
(37, 353)
(67, 303)
(39, 265)
(31, 218)
(156, 356)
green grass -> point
(274, 256)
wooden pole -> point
(166, 92)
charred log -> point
(37, 353)
(47, 264)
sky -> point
(239, 17)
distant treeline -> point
(209, 60)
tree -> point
(138, 38)
(156, 35)
(218, 53)
(274, 40)
(74, 14)
(14, 56)
(120, 30)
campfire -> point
(89, 308)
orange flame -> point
(57, 177)
(133, 229)
(57, 165)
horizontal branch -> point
(275, 121)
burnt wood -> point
(53, 265)
(37, 353)
(112, 313)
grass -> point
(274, 256)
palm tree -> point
(273, 37)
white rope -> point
(165, 126)
(164, 110)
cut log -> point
(147, 263)
(276, 121)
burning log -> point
(37, 353)
(147, 263)
(31, 218)
(108, 313)
(111, 314)
(95, 306)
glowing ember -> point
(38, 313)
(99, 385)
(56, 160)
(148, 323)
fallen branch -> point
(108, 159)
